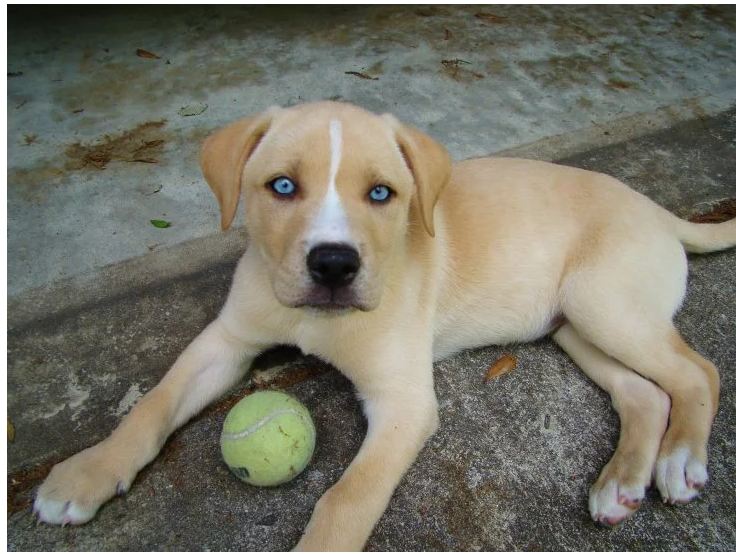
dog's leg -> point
(643, 410)
(400, 420)
(77, 487)
(681, 467)
(654, 349)
(693, 385)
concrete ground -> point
(97, 146)
(101, 302)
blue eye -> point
(380, 193)
(283, 186)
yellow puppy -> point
(373, 251)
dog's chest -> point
(318, 336)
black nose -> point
(333, 265)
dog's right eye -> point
(380, 194)
(283, 186)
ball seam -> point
(256, 426)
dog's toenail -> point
(120, 489)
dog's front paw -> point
(78, 486)
(680, 475)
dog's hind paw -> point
(680, 476)
(610, 503)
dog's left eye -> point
(380, 193)
(283, 186)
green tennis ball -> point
(267, 438)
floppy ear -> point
(223, 157)
(430, 165)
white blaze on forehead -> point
(331, 222)
(335, 152)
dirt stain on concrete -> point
(143, 144)
(584, 102)
(21, 484)
(29, 180)
(565, 71)
(106, 83)
(465, 509)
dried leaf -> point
(146, 54)
(491, 18)
(361, 75)
(192, 109)
(11, 431)
(160, 223)
(721, 211)
(144, 160)
(154, 191)
(618, 84)
(454, 62)
(504, 364)
(454, 70)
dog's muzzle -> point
(333, 268)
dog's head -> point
(330, 192)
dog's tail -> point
(705, 237)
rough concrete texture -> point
(97, 146)
(509, 468)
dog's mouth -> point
(329, 301)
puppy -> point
(371, 250)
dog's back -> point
(516, 229)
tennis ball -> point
(267, 438)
